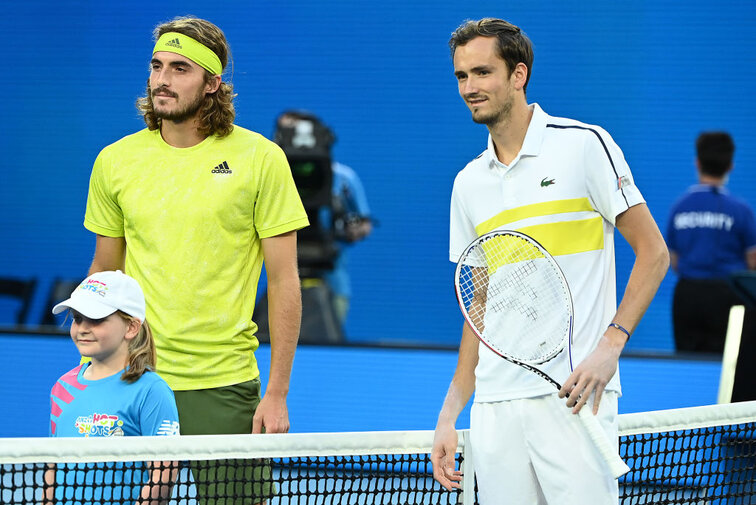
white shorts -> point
(535, 451)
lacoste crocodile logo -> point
(546, 182)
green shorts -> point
(225, 410)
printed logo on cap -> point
(95, 286)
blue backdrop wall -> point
(654, 74)
(364, 389)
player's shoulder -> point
(140, 137)
(474, 168)
(130, 142)
(246, 136)
(241, 133)
(572, 135)
(244, 141)
(565, 126)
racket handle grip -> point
(604, 446)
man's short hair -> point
(513, 46)
(715, 151)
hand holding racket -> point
(516, 300)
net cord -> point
(200, 447)
(688, 418)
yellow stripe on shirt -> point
(558, 238)
(507, 250)
(568, 237)
(533, 210)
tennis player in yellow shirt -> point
(190, 207)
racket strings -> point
(516, 298)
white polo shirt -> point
(565, 188)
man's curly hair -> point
(217, 111)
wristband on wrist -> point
(620, 328)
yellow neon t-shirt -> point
(193, 220)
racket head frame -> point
(477, 243)
(616, 465)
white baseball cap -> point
(101, 294)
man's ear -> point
(214, 84)
(520, 75)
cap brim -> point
(86, 308)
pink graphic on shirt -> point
(60, 393)
(72, 378)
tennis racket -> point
(516, 299)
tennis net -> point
(684, 456)
(690, 456)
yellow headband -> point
(186, 46)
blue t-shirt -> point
(710, 231)
(347, 189)
(105, 408)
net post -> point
(468, 470)
(730, 354)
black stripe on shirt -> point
(611, 162)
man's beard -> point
(183, 114)
(501, 114)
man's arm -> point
(162, 476)
(110, 254)
(48, 489)
(461, 389)
(651, 263)
(285, 317)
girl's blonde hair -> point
(142, 355)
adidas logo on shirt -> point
(174, 43)
(222, 169)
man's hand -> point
(271, 415)
(591, 376)
(443, 457)
(651, 262)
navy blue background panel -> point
(653, 74)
